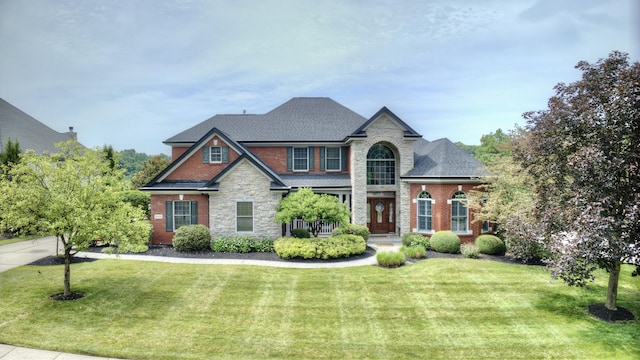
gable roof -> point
(306, 119)
(276, 182)
(30, 133)
(408, 131)
(443, 159)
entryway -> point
(381, 215)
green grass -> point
(436, 308)
(21, 238)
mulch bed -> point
(602, 313)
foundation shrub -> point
(263, 245)
(300, 233)
(233, 244)
(469, 251)
(352, 229)
(445, 241)
(415, 239)
(490, 245)
(413, 252)
(320, 248)
(390, 258)
(192, 238)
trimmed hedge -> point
(320, 248)
(469, 251)
(390, 258)
(445, 241)
(490, 245)
(352, 229)
(413, 252)
(415, 239)
(300, 233)
(192, 238)
(241, 244)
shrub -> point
(300, 233)
(352, 229)
(192, 238)
(413, 252)
(469, 251)
(415, 239)
(490, 244)
(263, 245)
(320, 248)
(445, 241)
(390, 258)
(233, 244)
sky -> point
(133, 73)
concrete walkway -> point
(25, 252)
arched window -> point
(381, 166)
(425, 201)
(459, 213)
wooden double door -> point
(381, 215)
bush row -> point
(320, 248)
(449, 242)
(241, 244)
(191, 238)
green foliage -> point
(320, 248)
(315, 209)
(469, 251)
(192, 238)
(413, 252)
(150, 169)
(73, 194)
(10, 155)
(390, 258)
(137, 199)
(110, 157)
(241, 244)
(300, 233)
(132, 161)
(353, 229)
(415, 239)
(445, 241)
(490, 245)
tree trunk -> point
(67, 270)
(612, 290)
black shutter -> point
(206, 154)
(289, 158)
(311, 162)
(225, 154)
(194, 212)
(169, 216)
(322, 157)
(343, 157)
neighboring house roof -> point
(30, 133)
(442, 158)
(299, 119)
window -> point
(244, 216)
(425, 223)
(179, 213)
(486, 226)
(300, 159)
(332, 159)
(216, 154)
(459, 213)
(381, 166)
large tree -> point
(150, 169)
(10, 155)
(315, 209)
(75, 195)
(584, 152)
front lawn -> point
(436, 308)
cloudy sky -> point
(133, 73)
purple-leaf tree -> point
(584, 152)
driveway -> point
(25, 252)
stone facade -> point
(244, 183)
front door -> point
(381, 216)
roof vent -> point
(244, 112)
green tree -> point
(150, 169)
(76, 196)
(110, 156)
(10, 155)
(493, 146)
(132, 161)
(315, 209)
(584, 154)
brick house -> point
(229, 172)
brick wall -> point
(194, 169)
(441, 210)
(276, 158)
(158, 215)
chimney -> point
(244, 111)
(73, 135)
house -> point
(30, 133)
(229, 172)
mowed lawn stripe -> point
(436, 308)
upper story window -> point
(215, 154)
(381, 166)
(332, 159)
(300, 159)
(459, 213)
(425, 223)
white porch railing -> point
(326, 229)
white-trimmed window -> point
(300, 159)
(459, 213)
(381, 165)
(244, 216)
(216, 154)
(425, 223)
(179, 213)
(333, 160)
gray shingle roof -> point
(316, 180)
(30, 133)
(442, 158)
(308, 119)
